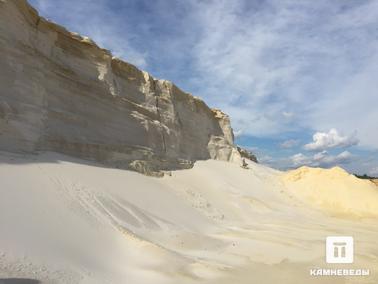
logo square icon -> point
(339, 249)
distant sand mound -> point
(334, 190)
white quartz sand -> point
(64, 220)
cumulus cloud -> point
(332, 139)
(289, 143)
(322, 159)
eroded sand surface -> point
(64, 220)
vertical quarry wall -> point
(61, 92)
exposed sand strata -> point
(70, 221)
(334, 190)
(59, 91)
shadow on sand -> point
(18, 281)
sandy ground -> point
(64, 220)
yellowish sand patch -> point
(333, 190)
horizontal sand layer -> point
(65, 220)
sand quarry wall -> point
(60, 92)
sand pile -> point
(333, 190)
(66, 220)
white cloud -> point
(289, 143)
(300, 160)
(374, 171)
(238, 133)
(306, 57)
(332, 139)
(322, 159)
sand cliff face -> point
(61, 92)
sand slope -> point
(64, 220)
(334, 190)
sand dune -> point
(64, 220)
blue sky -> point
(298, 78)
